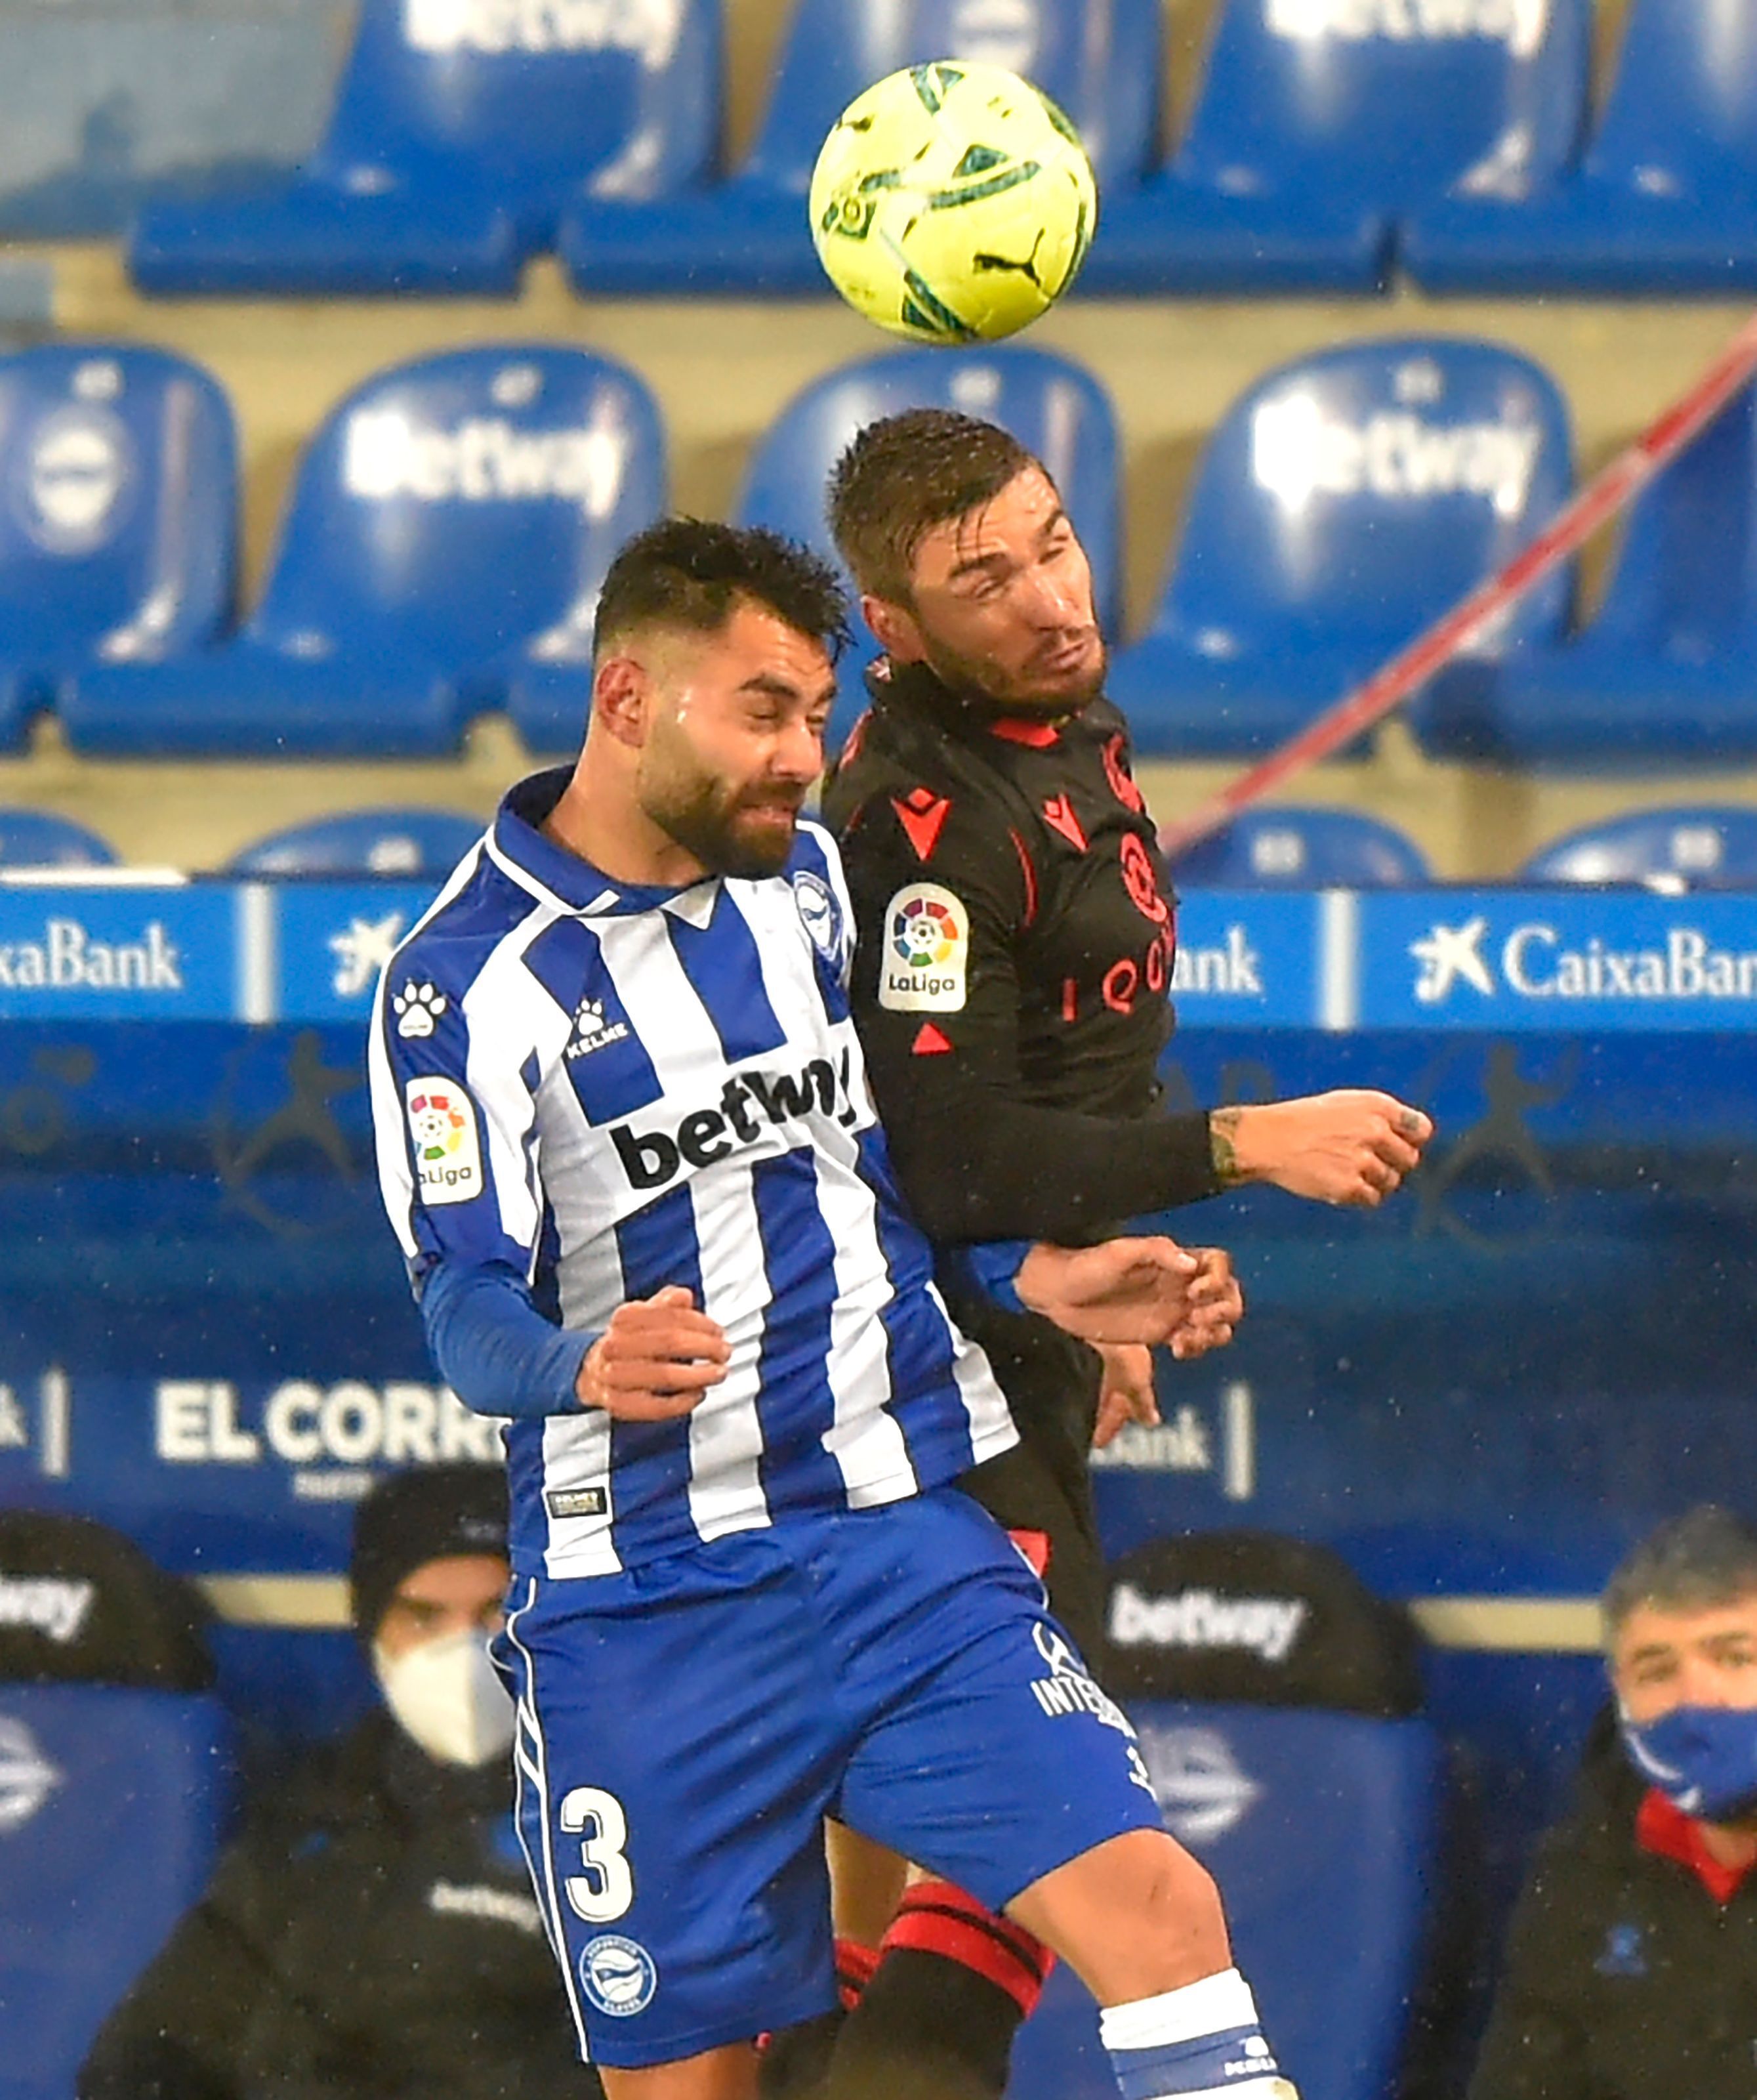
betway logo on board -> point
(1298, 451)
(484, 459)
(647, 28)
(1518, 24)
(68, 957)
(1537, 961)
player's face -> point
(458, 1593)
(1668, 1659)
(736, 739)
(1001, 602)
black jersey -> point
(1015, 940)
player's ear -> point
(622, 700)
(894, 628)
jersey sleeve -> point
(939, 890)
(453, 1122)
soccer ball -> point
(953, 203)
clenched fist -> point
(1350, 1146)
(658, 1358)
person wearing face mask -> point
(371, 1934)
(1632, 1966)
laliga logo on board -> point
(1518, 24)
(1537, 962)
(648, 28)
(484, 459)
(1298, 451)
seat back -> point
(1098, 59)
(1050, 404)
(1351, 497)
(118, 505)
(1704, 847)
(1388, 105)
(1681, 117)
(525, 100)
(395, 842)
(1684, 586)
(33, 838)
(456, 510)
(112, 1749)
(1295, 848)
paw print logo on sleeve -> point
(417, 1007)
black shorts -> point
(1043, 1484)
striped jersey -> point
(612, 1088)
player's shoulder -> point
(480, 907)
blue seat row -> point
(453, 517)
(1330, 143)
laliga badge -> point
(447, 1142)
(925, 965)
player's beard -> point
(721, 826)
(980, 679)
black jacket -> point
(1624, 1978)
(1032, 1109)
(373, 1933)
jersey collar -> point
(914, 687)
(565, 879)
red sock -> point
(855, 1964)
(934, 1917)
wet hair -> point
(688, 575)
(1698, 1562)
(902, 475)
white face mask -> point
(446, 1694)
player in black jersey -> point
(1016, 937)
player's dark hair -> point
(902, 475)
(1696, 1562)
(684, 573)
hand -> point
(1217, 1305)
(1350, 1146)
(1120, 1291)
(658, 1358)
(1125, 1389)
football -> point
(953, 203)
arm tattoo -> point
(1222, 1131)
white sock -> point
(1203, 2039)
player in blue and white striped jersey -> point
(625, 1139)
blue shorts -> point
(684, 1727)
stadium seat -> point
(400, 842)
(1320, 126)
(1295, 849)
(1051, 405)
(1099, 59)
(450, 524)
(33, 838)
(1276, 1706)
(1703, 846)
(118, 536)
(1343, 503)
(112, 1748)
(1665, 202)
(1666, 672)
(461, 129)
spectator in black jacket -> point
(1632, 1970)
(373, 1935)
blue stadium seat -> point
(1665, 203)
(1099, 58)
(399, 842)
(112, 1747)
(1051, 405)
(1692, 846)
(33, 838)
(1295, 848)
(118, 536)
(1666, 672)
(452, 520)
(1320, 125)
(1345, 502)
(462, 128)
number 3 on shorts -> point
(607, 1887)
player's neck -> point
(599, 820)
